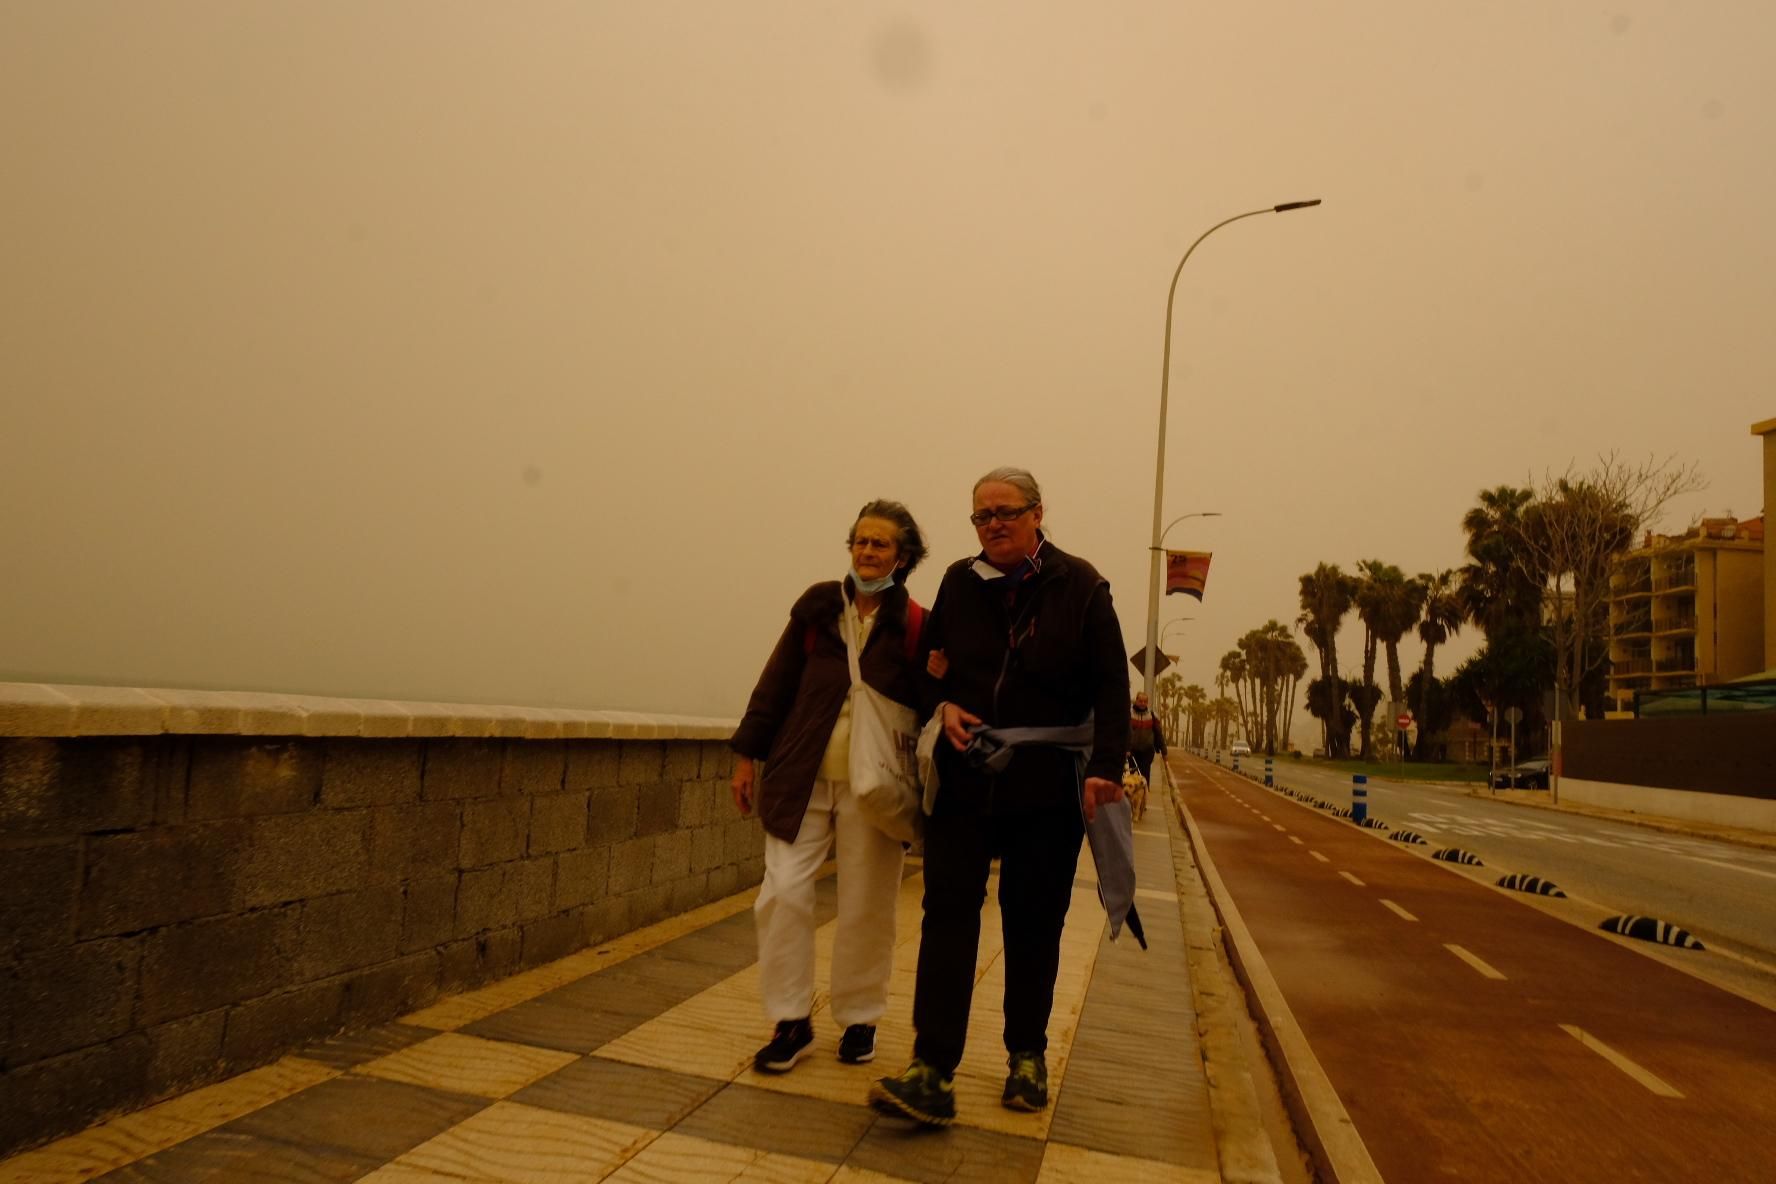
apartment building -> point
(1767, 430)
(1688, 610)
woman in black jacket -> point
(798, 724)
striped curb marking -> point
(1520, 882)
(1457, 855)
(1408, 836)
(1651, 929)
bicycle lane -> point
(1470, 1036)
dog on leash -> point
(1134, 787)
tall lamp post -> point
(1165, 380)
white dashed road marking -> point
(1352, 879)
(1399, 912)
(1646, 1078)
(1750, 871)
(1473, 961)
(1319, 857)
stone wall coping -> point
(46, 710)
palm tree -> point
(1224, 712)
(1233, 666)
(1441, 619)
(1498, 588)
(1195, 700)
(1168, 700)
(1326, 598)
(1388, 604)
(1294, 666)
(1380, 607)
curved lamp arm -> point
(1180, 518)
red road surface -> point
(1450, 1074)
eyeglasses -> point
(1003, 514)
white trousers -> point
(863, 945)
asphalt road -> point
(1722, 892)
(1466, 1033)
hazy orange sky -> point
(541, 353)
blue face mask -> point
(871, 587)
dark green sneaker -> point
(1027, 1086)
(922, 1093)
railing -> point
(1682, 662)
(1629, 666)
(1631, 625)
(1680, 622)
(1684, 577)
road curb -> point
(1321, 1121)
(1246, 1152)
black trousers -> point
(1144, 762)
(1038, 854)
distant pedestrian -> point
(1033, 646)
(799, 723)
(1146, 737)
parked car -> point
(1525, 775)
(1240, 748)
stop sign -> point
(1403, 720)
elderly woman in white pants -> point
(798, 723)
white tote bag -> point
(884, 773)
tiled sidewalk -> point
(632, 1063)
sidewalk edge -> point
(1229, 1044)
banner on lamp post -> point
(1187, 572)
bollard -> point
(1236, 762)
(1269, 780)
(1359, 797)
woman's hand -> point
(956, 723)
(1100, 792)
(742, 784)
(937, 664)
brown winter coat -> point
(797, 701)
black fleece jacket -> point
(1044, 651)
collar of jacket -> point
(1028, 568)
(821, 604)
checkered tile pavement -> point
(631, 1063)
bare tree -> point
(1577, 523)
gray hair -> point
(1019, 479)
(912, 539)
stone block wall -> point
(175, 908)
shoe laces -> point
(920, 1073)
(1027, 1066)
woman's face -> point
(875, 547)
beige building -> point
(1689, 610)
(1767, 430)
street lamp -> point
(1165, 380)
(1168, 629)
(1181, 517)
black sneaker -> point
(858, 1045)
(922, 1093)
(1026, 1088)
(786, 1048)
